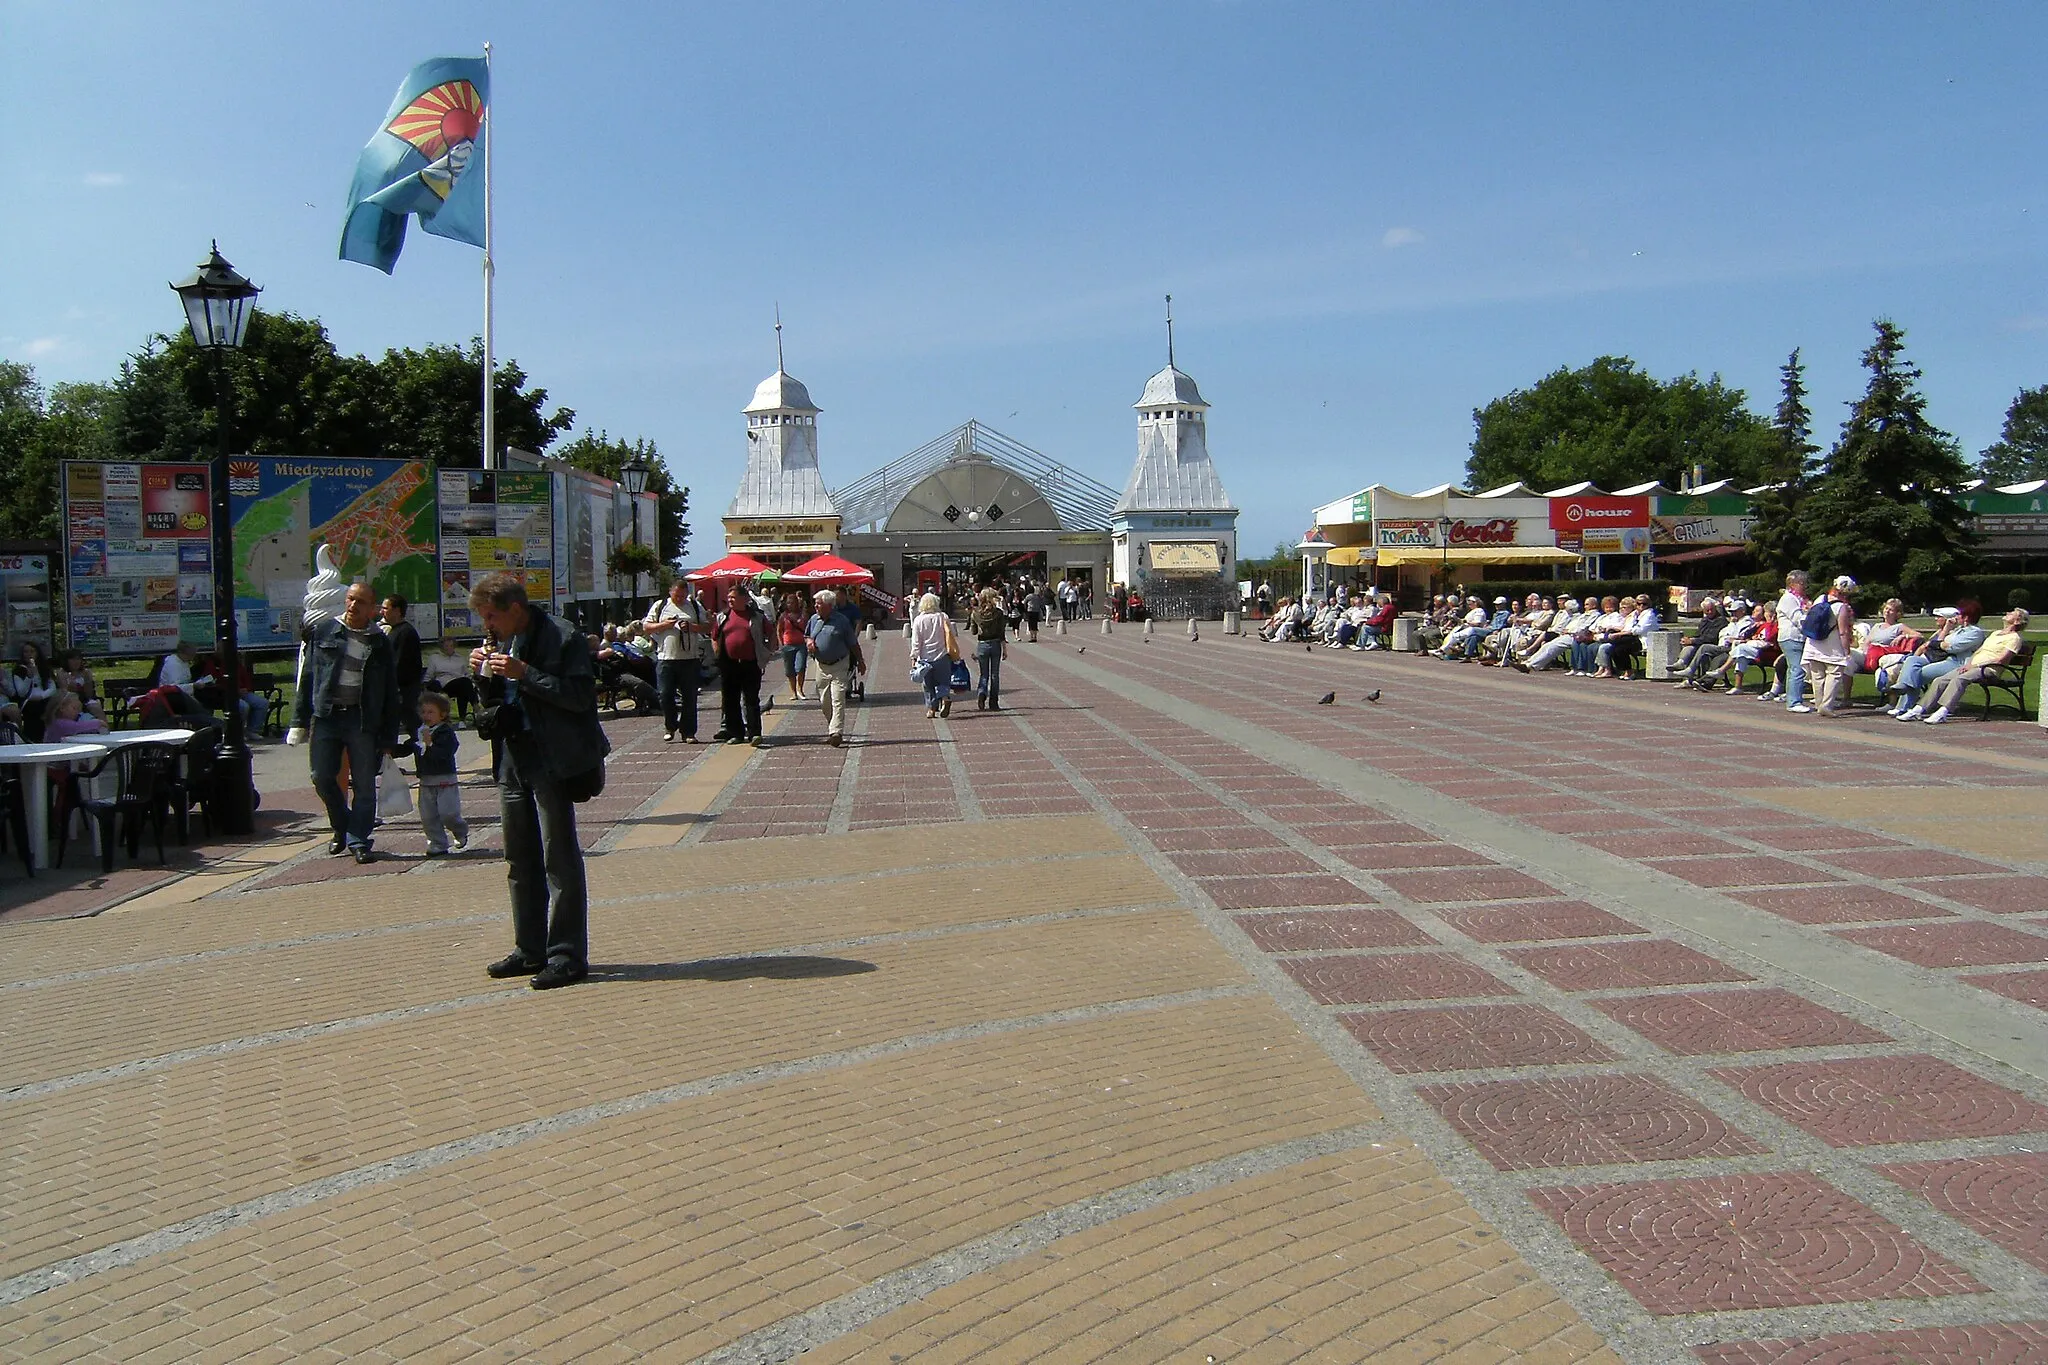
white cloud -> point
(44, 346)
(1397, 237)
(105, 180)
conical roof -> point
(781, 392)
(1171, 388)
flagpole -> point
(490, 286)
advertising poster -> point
(138, 549)
(493, 521)
(378, 515)
(26, 581)
(588, 532)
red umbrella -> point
(828, 569)
(727, 569)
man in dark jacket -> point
(550, 750)
(405, 653)
(351, 706)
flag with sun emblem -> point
(420, 161)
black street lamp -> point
(218, 302)
(1443, 535)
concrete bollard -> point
(906, 630)
(1233, 624)
(1660, 653)
(1059, 627)
(1405, 629)
(870, 629)
(1148, 625)
(1192, 632)
(1105, 625)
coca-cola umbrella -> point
(828, 569)
(732, 568)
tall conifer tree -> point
(1777, 539)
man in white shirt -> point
(676, 624)
(177, 668)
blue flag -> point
(419, 160)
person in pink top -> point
(68, 719)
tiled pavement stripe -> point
(854, 736)
(186, 1232)
(35, 1090)
(1940, 1007)
(1933, 1231)
(794, 1336)
(1818, 862)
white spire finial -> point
(1169, 331)
(778, 338)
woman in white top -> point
(931, 658)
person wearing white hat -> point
(1828, 653)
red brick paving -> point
(1275, 862)
(1951, 945)
(1906, 862)
(1844, 903)
(1616, 966)
(1771, 1240)
(1748, 869)
(1224, 835)
(1470, 1037)
(1997, 895)
(1865, 1101)
(1251, 893)
(1406, 976)
(1812, 838)
(1530, 923)
(1375, 857)
(1583, 1121)
(2003, 1197)
(2029, 988)
(1661, 844)
(2012, 1343)
(1476, 884)
(1691, 1023)
(1308, 931)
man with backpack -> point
(1828, 629)
(835, 647)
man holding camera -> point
(547, 751)
(350, 705)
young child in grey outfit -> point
(440, 797)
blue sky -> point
(1373, 218)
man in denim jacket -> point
(351, 706)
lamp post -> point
(218, 302)
(634, 478)
(1443, 535)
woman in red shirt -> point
(789, 631)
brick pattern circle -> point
(1469, 1037)
(1470, 884)
(1295, 931)
(1842, 904)
(1866, 1101)
(1615, 966)
(2005, 1343)
(1951, 945)
(2029, 988)
(1696, 1022)
(1747, 869)
(1252, 893)
(1770, 1240)
(2003, 1197)
(1542, 920)
(1583, 1121)
(1339, 980)
(1382, 857)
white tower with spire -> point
(782, 510)
(1174, 521)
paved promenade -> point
(1166, 1015)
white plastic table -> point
(35, 759)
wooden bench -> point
(2009, 678)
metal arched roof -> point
(1083, 504)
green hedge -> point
(1997, 591)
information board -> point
(493, 521)
(138, 546)
(378, 515)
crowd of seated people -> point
(1592, 639)
(1344, 620)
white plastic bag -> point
(393, 798)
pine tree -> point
(2021, 451)
(1778, 539)
(1883, 507)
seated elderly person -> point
(1706, 634)
(1501, 643)
(1607, 622)
(2000, 648)
(1378, 626)
(1461, 637)
(1572, 620)
(1617, 655)
(1759, 647)
(1954, 641)
(1887, 642)
(1708, 662)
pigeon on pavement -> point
(1373, 695)
(1084, 649)
(1328, 699)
